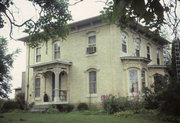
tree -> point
(6, 61)
(52, 21)
(152, 13)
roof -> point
(94, 21)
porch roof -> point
(51, 63)
(134, 58)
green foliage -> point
(151, 95)
(52, 22)
(9, 106)
(117, 104)
(6, 62)
(53, 16)
(150, 12)
(126, 113)
(65, 107)
(20, 99)
(82, 106)
(52, 110)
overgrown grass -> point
(75, 117)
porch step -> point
(39, 108)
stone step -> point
(39, 108)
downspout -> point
(28, 64)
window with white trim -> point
(148, 52)
(137, 47)
(92, 82)
(158, 56)
(143, 78)
(124, 39)
(38, 54)
(37, 87)
(91, 49)
(56, 50)
(133, 80)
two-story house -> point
(96, 58)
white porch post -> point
(56, 97)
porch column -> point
(56, 96)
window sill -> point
(92, 96)
(89, 55)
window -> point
(148, 52)
(92, 82)
(143, 78)
(158, 56)
(37, 87)
(38, 54)
(124, 42)
(91, 44)
(56, 48)
(133, 81)
(137, 47)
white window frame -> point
(158, 61)
(56, 51)
(148, 53)
(137, 47)
(143, 78)
(134, 93)
(91, 82)
(37, 89)
(38, 54)
(124, 42)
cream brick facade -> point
(110, 63)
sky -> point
(23, 11)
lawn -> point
(75, 117)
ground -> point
(75, 117)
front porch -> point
(51, 83)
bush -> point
(65, 107)
(114, 104)
(82, 106)
(20, 99)
(9, 105)
(1, 102)
(124, 113)
(52, 110)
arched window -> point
(38, 54)
(148, 48)
(124, 39)
(143, 78)
(137, 47)
(158, 56)
(133, 80)
(92, 82)
(56, 50)
(37, 86)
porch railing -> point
(63, 95)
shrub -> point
(82, 106)
(65, 107)
(20, 99)
(52, 110)
(9, 105)
(114, 104)
(124, 113)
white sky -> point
(24, 10)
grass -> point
(75, 117)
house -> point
(23, 84)
(97, 58)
